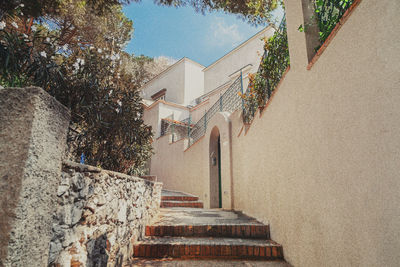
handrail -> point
(273, 65)
(228, 101)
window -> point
(160, 95)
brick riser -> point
(172, 204)
(179, 198)
(236, 231)
(273, 252)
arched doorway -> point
(215, 169)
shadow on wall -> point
(97, 252)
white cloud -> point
(223, 34)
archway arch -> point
(220, 181)
(215, 168)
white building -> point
(185, 90)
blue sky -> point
(179, 32)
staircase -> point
(171, 199)
(204, 237)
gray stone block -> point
(33, 129)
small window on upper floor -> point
(160, 95)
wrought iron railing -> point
(230, 100)
(272, 67)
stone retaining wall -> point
(99, 215)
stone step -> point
(222, 230)
(182, 204)
(222, 248)
(180, 198)
(204, 263)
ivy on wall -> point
(273, 64)
(327, 15)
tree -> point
(73, 49)
(144, 68)
(75, 55)
(254, 11)
(38, 8)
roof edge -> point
(239, 46)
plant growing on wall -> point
(273, 64)
(327, 15)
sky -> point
(181, 32)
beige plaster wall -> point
(151, 117)
(221, 123)
(198, 112)
(173, 79)
(194, 81)
(322, 163)
(188, 169)
(249, 52)
(178, 169)
(33, 133)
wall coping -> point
(88, 168)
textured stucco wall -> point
(218, 73)
(168, 110)
(172, 79)
(151, 117)
(33, 128)
(322, 163)
(181, 170)
(221, 124)
(100, 214)
(194, 81)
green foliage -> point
(273, 64)
(86, 76)
(276, 60)
(328, 13)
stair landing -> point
(170, 199)
(182, 236)
(205, 263)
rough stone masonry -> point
(61, 214)
(100, 213)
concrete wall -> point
(100, 214)
(179, 113)
(194, 81)
(249, 52)
(173, 79)
(198, 111)
(33, 130)
(322, 163)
